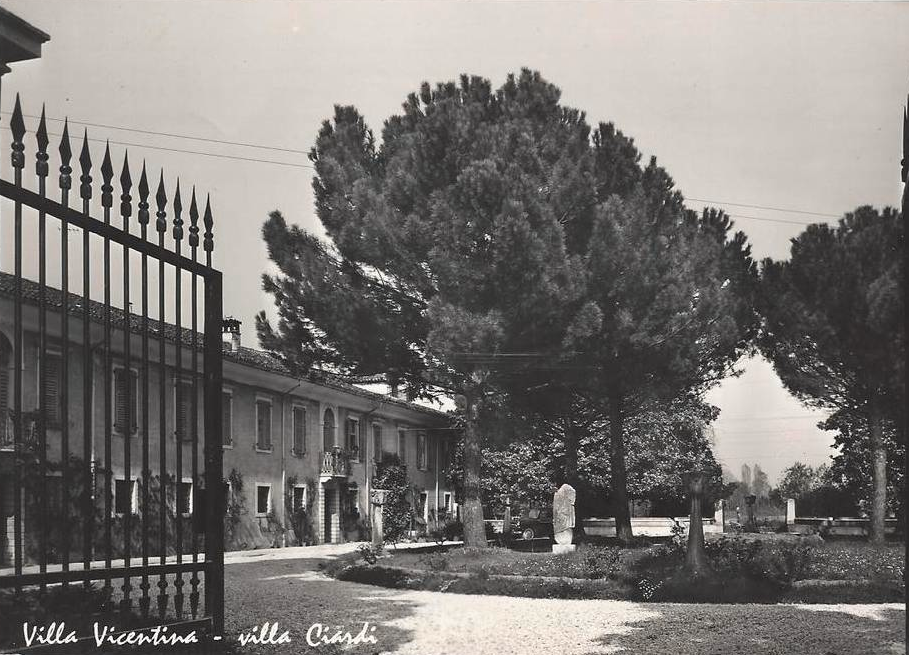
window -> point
(126, 499)
(184, 404)
(353, 438)
(421, 450)
(299, 427)
(376, 442)
(402, 445)
(227, 418)
(126, 400)
(446, 502)
(263, 425)
(51, 388)
(185, 498)
(328, 430)
(421, 508)
(442, 446)
(299, 498)
(263, 499)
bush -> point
(436, 562)
(369, 553)
(778, 563)
(600, 561)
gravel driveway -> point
(284, 586)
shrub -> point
(436, 562)
(369, 553)
(778, 563)
(397, 512)
(600, 561)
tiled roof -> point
(251, 357)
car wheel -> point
(527, 534)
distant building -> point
(305, 449)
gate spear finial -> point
(41, 157)
(178, 220)
(143, 197)
(161, 201)
(17, 127)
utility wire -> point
(168, 134)
(776, 209)
(311, 167)
(192, 152)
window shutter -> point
(377, 443)
(299, 430)
(361, 440)
(226, 427)
(119, 400)
(182, 411)
(4, 398)
(134, 399)
(263, 420)
(52, 389)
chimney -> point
(230, 333)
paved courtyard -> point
(285, 586)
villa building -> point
(302, 451)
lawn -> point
(743, 569)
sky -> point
(783, 113)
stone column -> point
(790, 511)
(320, 515)
(719, 515)
(695, 560)
(377, 500)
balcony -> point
(29, 436)
(335, 463)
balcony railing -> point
(335, 463)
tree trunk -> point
(572, 445)
(571, 453)
(878, 475)
(696, 559)
(617, 475)
(474, 528)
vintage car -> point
(533, 523)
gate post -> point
(214, 483)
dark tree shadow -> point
(293, 594)
(703, 629)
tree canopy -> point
(833, 327)
(493, 241)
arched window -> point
(328, 429)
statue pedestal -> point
(559, 549)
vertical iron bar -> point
(214, 453)
(65, 185)
(145, 601)
(41, 171)
(214, 533)
(180, 390)
(85, 191)
(126, 210)
(17, 127)
(161, 227)
(194, 244)
(107, 200)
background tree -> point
(797, 480)
(669, 308)
(832, 327)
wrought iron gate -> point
(110, 432)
